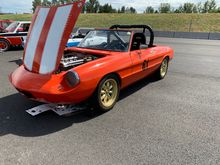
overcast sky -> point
(21, 6)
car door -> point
(150, 63)
(139, 63)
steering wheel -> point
(115, 44)
(124, 45)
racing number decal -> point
(145, 65)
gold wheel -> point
(164, 68)
(108, 93)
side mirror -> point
(144, 46)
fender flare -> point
(6, 39)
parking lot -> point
(173, 121)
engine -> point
(71, 60)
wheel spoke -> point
(103, 96)
(106, 87)
(2, 46)
(108, 84)
(106, 99)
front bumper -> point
(48, 88)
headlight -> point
(71, 78)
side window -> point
(23, 27)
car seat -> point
(138, 39)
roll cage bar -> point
(144, 27)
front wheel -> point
(162, 71)
(106, 94)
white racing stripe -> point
(50, 53)
(34, 37)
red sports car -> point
(14, 34)
(106, 61)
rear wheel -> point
(106, 94)
(162, 71)
(4, 45)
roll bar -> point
(144, 27)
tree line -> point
(93, 6)
(210, 6)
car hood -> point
(48, 34)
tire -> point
(162, 70)
(4, 45)
(106, 94)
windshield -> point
(5, 24)
(12, 27)
(112, 40)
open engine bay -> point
(74, 59)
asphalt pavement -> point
(173, 121)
